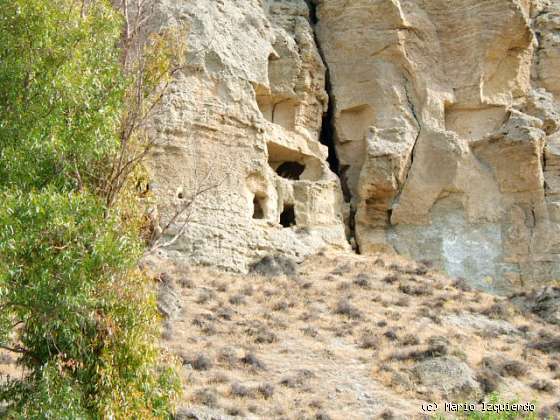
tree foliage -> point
(73, 306)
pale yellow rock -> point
(443, 115)
(251, 100)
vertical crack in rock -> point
(312, 12)
(327, 134)
(412, 108)
(327, 128)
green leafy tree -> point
(73, 306)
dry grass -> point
(339, 339)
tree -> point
(73, 305)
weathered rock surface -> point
(452, 377)
(446, 129)
(242, 121)
(446, 120)
(168, 302)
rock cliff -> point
(242, 121)
(441, 119)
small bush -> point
(421, 353)
(390, 279)
(488, 380)
(369, 341)
(344, 307)
(227, 356)
(251, 360)
(239, 390)
(201, 362)
(207, 397)
(237, 299)
(543, 385)
(410, 340)
(391, 335)
(266, 390)
(186, 283)
(310, 332)
(281, 305)
(498, 311)
(462, 284)
(362, 280)
(505, 367)
(547, 345)
(203, 297)
(415, 289)
(261, 334)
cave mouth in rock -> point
(258, 211)
(288, 216)
(291, 170)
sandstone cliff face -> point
(243, 121)
(445, 120)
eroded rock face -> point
(242, 121)
(446, 127)
(446, 119)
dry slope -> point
(351, 337)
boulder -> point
(453, 378)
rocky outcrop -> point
(446, 130)
(445, 119)
(240, 132)
(450, 376)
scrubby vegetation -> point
(74, 308)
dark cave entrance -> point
(291, 170)
(258, 211)
(288, 216)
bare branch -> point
(17, 349)
(185, 210)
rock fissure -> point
(312, 11)
(412, 109)
(420, 144)
(327, 134)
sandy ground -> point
(340, 340)
(343, 339)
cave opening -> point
(291, 170)
(288, 216)
(258, 211)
